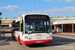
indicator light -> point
(25, 36)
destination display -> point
(37, 17)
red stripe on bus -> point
(16, 38)
(34, 41)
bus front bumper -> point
(36, 42)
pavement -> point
(3, 39)
(65, 35)
(59, 43)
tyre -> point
(12, 34)
(19, 40)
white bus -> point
(32, 29)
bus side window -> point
(22, 27)
(17, 26)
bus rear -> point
(37, 29)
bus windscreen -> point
(37, 24)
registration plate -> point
(38, 41)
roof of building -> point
(62, 16)
(9, 18)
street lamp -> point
(33, 8)
(0, 14)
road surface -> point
(59, 43)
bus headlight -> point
(47, 37)
(29, 38)
(50, 36)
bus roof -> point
(35, 14)
(18, 19)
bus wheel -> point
(19, 40)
